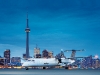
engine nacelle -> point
(60, 60)
(67, 61)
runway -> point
(48, 72)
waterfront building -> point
(7, 55)
(2, 61)
(50, 54)
(24, 55)
(97, 63)
(45, 54)
(16, 61)
(37, 52)
(38, 55)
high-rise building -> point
(27, 30)
(1, 61)
(97, 63)
(50, 54)
(24, 55)
(45, 54)
(36, 52)
(7, 55)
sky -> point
(55, 25)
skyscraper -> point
(50, 54)
(45, 54)
(27, 30)
(36, 51)
(7, 55)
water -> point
(48, 72)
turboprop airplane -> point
(46, 62)
(59, 60)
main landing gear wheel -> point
(44, 67)
(66, 67)
(27, 68)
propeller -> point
(59, 56)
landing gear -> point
(66, 67)
(44, 67)
(27, 68)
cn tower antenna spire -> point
(27, 20)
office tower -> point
(24, 55)
(50, 54)
(27, 30)
(7, 55)
(97, 63)
(1, 61)
(45, 54)
(37, 52)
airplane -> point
(46, 62)
(59, 60)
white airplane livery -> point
(32, 62)
(46, 62)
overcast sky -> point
(54, 24)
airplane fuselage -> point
(43, 62)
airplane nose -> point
(24, 64)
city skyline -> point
(54, 24)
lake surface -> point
(48, 72)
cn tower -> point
(27, 30)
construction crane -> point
(73, 52)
